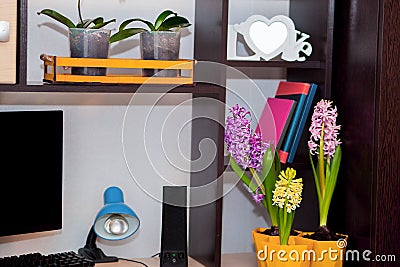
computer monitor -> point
(31, 170)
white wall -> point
(94, 159)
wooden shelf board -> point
(197, 88)
(276, 64)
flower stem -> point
(321, 164)
(79, 11)
(258, 180)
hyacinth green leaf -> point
(267, 164)
(128, 21)
(160, 19)
(336, 162)
(330, 184)
(316, 180)
(269, 172)
(242, 175)
(285, 225)
(125, 34)
(174, 22)
(281, 224)
(58, 17)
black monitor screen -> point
(31, 149)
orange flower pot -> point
(270, 253)
(328, 253)
(260, 240)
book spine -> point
(292, 128)
(302, 122)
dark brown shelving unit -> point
(315, 18)
(276, 64)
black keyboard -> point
(62, 259)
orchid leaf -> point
(126, 22)
(125, 34)
(58, 17)
(87, 22)
(97, 23)
(161, 18)
(98, 20)
(101, 25)
(82, 24)
(165, 21)
(174, 22)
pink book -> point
(275, 120)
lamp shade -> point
(115, 220)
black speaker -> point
(174, 227)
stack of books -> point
(284, 117)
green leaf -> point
(267, 164)
(316, 180)
(98, 20)
(82, 24)
(102, 24)
(242, 175)
(125, 34)
(128, 21)
(87, 22)
(174, 22)
(336, 161)
(331, 180)
(58, 17)
(269, 173)
(160, 19)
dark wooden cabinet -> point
(366, 81)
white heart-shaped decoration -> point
(268, 38)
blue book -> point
(297, 91)
(302, 122)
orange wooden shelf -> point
(56, 70)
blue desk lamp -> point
(115, 221)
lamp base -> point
(96, 255)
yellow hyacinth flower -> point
(287, 193)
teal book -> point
(298, 92)
(302, 122)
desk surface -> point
(231, 260)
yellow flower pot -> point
(270, 253)
(328, 253)
(260, 240)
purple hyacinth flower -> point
(257, 196)
(246, 148)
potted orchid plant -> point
(159, 40)
(87, 38)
